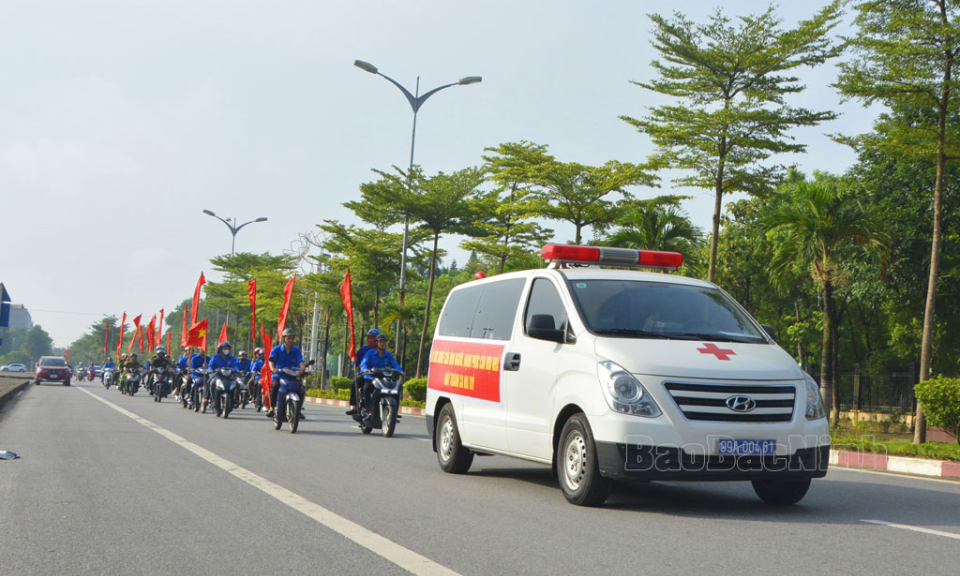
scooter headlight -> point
(624, 393)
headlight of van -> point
(624, 393)
(815, 409)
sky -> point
(122, 120)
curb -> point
(898, 464)
(12, 393)
(406, 410)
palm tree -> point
(655, 226)
(809, 225)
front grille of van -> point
(710, 402)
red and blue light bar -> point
(604, 256)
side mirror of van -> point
(769, 330)
(543, 327)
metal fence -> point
(887, 393)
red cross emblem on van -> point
(720, 353)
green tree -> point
(37, 343)
(904, 55)
(730, 82)
(809, 227)
(89, 347)
(654, 225)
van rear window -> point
(457, 317)
(484, 312)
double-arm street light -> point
(233, 243)
(416, 101)
(233, 227)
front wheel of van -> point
(451, 454)
(781, 493)
(577, 465)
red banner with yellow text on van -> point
(469, 369)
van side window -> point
(457, 316)
(545, 302)
(497, 309)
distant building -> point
(20, 317)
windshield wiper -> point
(716, 337)
(632, 332)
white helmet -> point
(160, 350)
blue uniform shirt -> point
(257, 366)
(197, 362)
(243, 364)
(109, 365)
(220, 361)
(283, 359)
(362, 353)
(183, 362)
(374, 360)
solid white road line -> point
(390, 550)
(914, 528)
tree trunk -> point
(796, 307)
(835, 361)
(717, 206)
(426, 313)
(926, 342)
(323, 354)
(376, 307)
(826, 356)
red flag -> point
(140, 333)
(169, 334)
(265, 374)
(106, 339)
(223, 335)
(287, 293)
(196, 300)
(252, 292)
(151, 334)
(347, 295)
(198, 335)
(136, 322)
(120, 342)
(66, 354)
(183, 330)
(160, 330)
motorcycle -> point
(198, 390)
(289, 403)
(160, 386)
(222, 389)
(108, 378)
(80, 374)
(91, 374)
(241, 392)
(183, 388)
(133, 382)
(256, 392)
(381, 409)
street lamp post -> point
(233, 231)
(416, 101)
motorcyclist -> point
(376, 358)
(107, 365)
(358, 382)
(198, 362)
(183, 367)
(282, 356)
(223, 359)
(254, 384)
(123, 373)
(161, 361)
(131, 363)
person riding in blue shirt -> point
(375, 359)
(198, 363)
(223, 359)
(358, 382)
(257, 361)
(243, 363)
(107, 365)
(282, 356)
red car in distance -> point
(53, 369)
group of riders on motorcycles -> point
(194, 379)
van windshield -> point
(637, 309)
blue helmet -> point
(373, 332)
(224, 344)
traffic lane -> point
(507, 516)
(96, 493)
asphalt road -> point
(154, 489)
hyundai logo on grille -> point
(741, 403)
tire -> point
(227, 407)
(203, 406)
(576, 464)
(452, 456)
(388, 420)
(781, 493)
(67, 383)
(277, 423)
(366, 429)
(293, 416)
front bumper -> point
(639, 462)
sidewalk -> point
(344, 404)
(898, 464)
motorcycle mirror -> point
(310, 363)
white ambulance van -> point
(618, 374)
